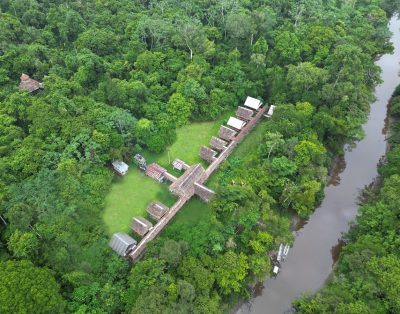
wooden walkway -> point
(140, 248)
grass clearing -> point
(130, 195)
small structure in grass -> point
(226, 133)
(179, 165)
(270, 111)
(140, 161)
(122, 243)
(252, 103)
(244, 113)
(120, 167)
(156, 172)
(156, 210)
(236, 123)
(218, 144)
(29, 84)
(207, 153)
(141, 225)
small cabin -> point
(218, 144)
(226, 133)
(120, 167)
(140, 161)
(207, 153)
(236, 123)
(156, 172)
(180, 165)
(29, 84)
(157, 210)
(122, 243)
(141, 225)
(252, 103)
(270, 111)
(244, 113)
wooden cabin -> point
(244, 113)
(156, 172)
(122, 243)
(156, 210)
(180, 165)
(226, 133)
(141, 225)
(207, 154)
(218, 144)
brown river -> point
(310, 260)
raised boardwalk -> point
(184, 186)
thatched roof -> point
(203, 192)
(226, 133)
(184, 186)
(29, 84)
(157, 210)
(207, 153)
(244, 113)
(141, 225)
(218, 143)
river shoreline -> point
(340, 202)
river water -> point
(311, 258)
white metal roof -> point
(270, 111)
(120, 166)
(252, 103)
(121, 243)
(236, 123)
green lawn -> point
(130, 195)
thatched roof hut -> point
(218, 144)
(244, 113)
(141, 225)
(122, 243)
(29, 84)
(226, 133)
(184, 186)
(156, 210)
(207, 153)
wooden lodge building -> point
(156, 172)
(156, 210)
(141, 225)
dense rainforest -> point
(122, 76)
(366, 279)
